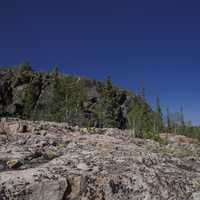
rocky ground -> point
(49, 161)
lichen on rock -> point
(67, 164)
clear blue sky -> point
(157, 41)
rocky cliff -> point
(55, 161)
(52, 96)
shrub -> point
(155, 136)
(25, 67)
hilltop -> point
(53, 96)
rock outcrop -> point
(28, 94)
(51, 161)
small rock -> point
(82, 166)
(95, 169)
(2, 165)
(8, 151)
(43, 132)
(50, 155)
(196, 196)
(23, 128)
(14, 164)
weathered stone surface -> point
(31, 185)
(105, 164)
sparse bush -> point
(25, 67)
(155, 136)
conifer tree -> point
(142, 91)
(169, 122)
(176, 122)
(158, 117)
(25, 67)
(182, 122)
(29, 100)
(135, 118)
(110, 103)
(55, 72)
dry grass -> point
(179, 152)
(179, 139)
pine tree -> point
(25, 67)
(140, 119)
(158, 116)
(29, 100)
(55, 72)
(24, 73)
(182, 122)
(169, 122)
(100, 114)
(110, 103)
(56, 109)
(176, 122)
(142, 91)
(135, 118)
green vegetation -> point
(176, 124)
(50, 155)
(29, 100)
(79, 101)
(179, 151)
(158, 117)
(140, 116)
(25, 67)
(156, 137)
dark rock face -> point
(60, 162)
(5, 91)
(33, 95)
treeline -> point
(53, 96)
(176, 123)
(79, 101)
(149, 124)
